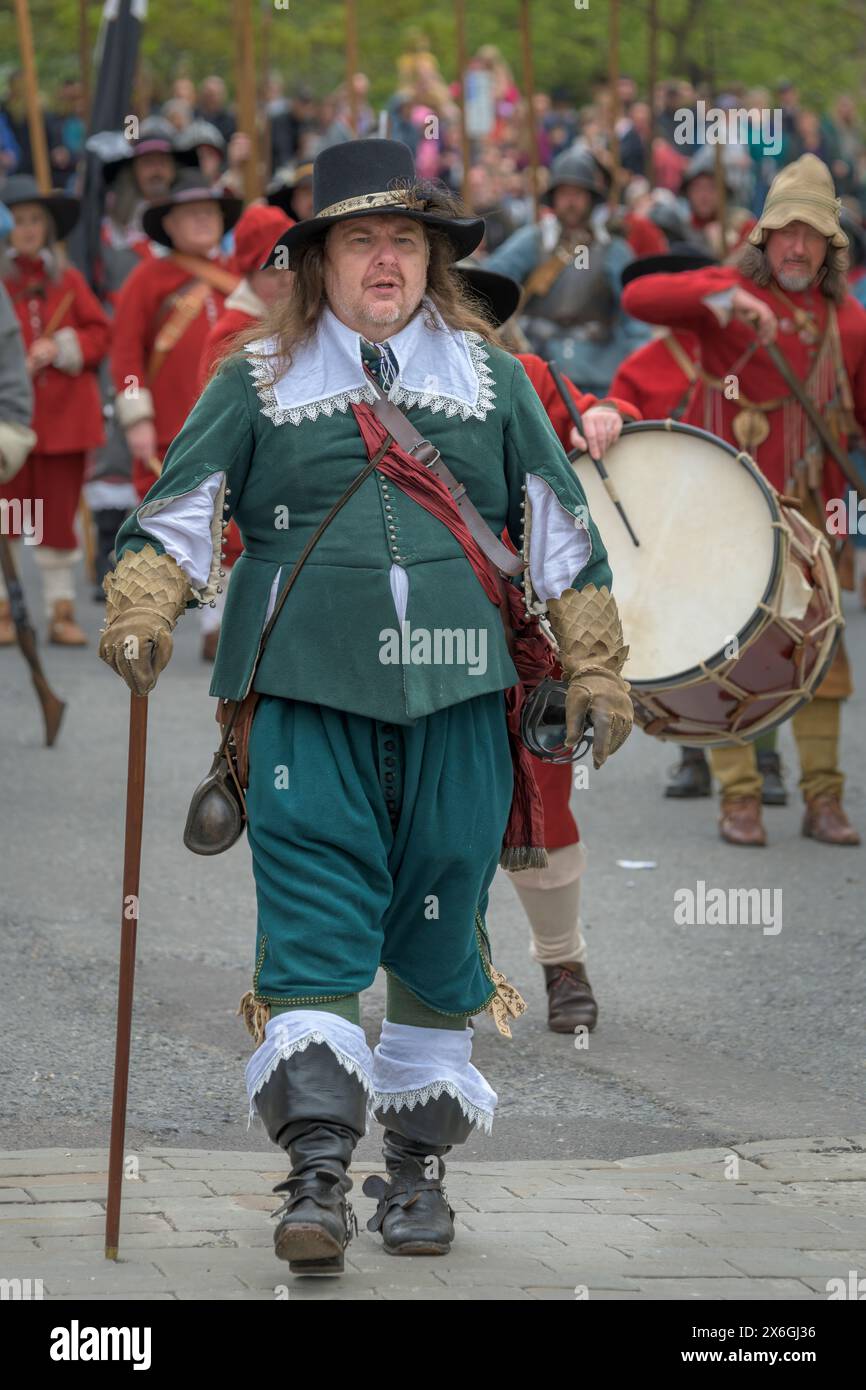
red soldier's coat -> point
(678, 302)
(541, 377)
(230, 322)
(652, 379)
(141, 312)
(643, 236)
(67, 411)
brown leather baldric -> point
(406, 435)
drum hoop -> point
(744, 637)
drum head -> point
(708, 552)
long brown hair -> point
(753, 262)
(292, 321)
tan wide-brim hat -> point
(802, 192)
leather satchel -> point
(218, 810)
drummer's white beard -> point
(795, 282)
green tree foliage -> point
(819, 44)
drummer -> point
(788, 286)
(551, 897)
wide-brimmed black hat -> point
(666, 265)
(499, 295)
(62, 207)
(155, 135)
(365, 178)
(281, 190)
(189, 187)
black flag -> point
(116, 59)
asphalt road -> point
(708, 1034)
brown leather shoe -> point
(570, 1000)
(7, 627)
(209, 644)
(825, 820)
(740, 821)
(64, 630)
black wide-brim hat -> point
(499, 295)
(189, 187)
(665, 265)
(62, 207)
(281, 190)
(366, 178)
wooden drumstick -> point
(573, 411)
(155, 465)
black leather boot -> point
(691, 776)
(413, 1214)
(773, 791)
(316, 1110)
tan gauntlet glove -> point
(146, 595)
(588, 633)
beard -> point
(379, 315)
(795, 280)
(374, 315)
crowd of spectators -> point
(641, 143)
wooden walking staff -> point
(529, 92)
(460, 28)
(126, 978)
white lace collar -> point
(441, 369)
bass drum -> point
(729, 604)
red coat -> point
(678, 301)
(146, 302)
(652, 379)
(643, 236)
(230, 322)
(541, 377)
(67, 410)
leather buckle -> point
(424, 444)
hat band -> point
(395, 198)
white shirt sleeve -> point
(185, 526)
(559, 543)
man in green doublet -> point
(381, 766)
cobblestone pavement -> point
(765, 1221)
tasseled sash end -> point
(256, 1015)
(505, 1001)
(516, 857)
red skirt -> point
(49, 489)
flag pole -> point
(652, 80)
(460, 27)
(246, 90)
(352, 62)
(529, 90)
(613, 83)
(35, 122)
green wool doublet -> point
(276, 463)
